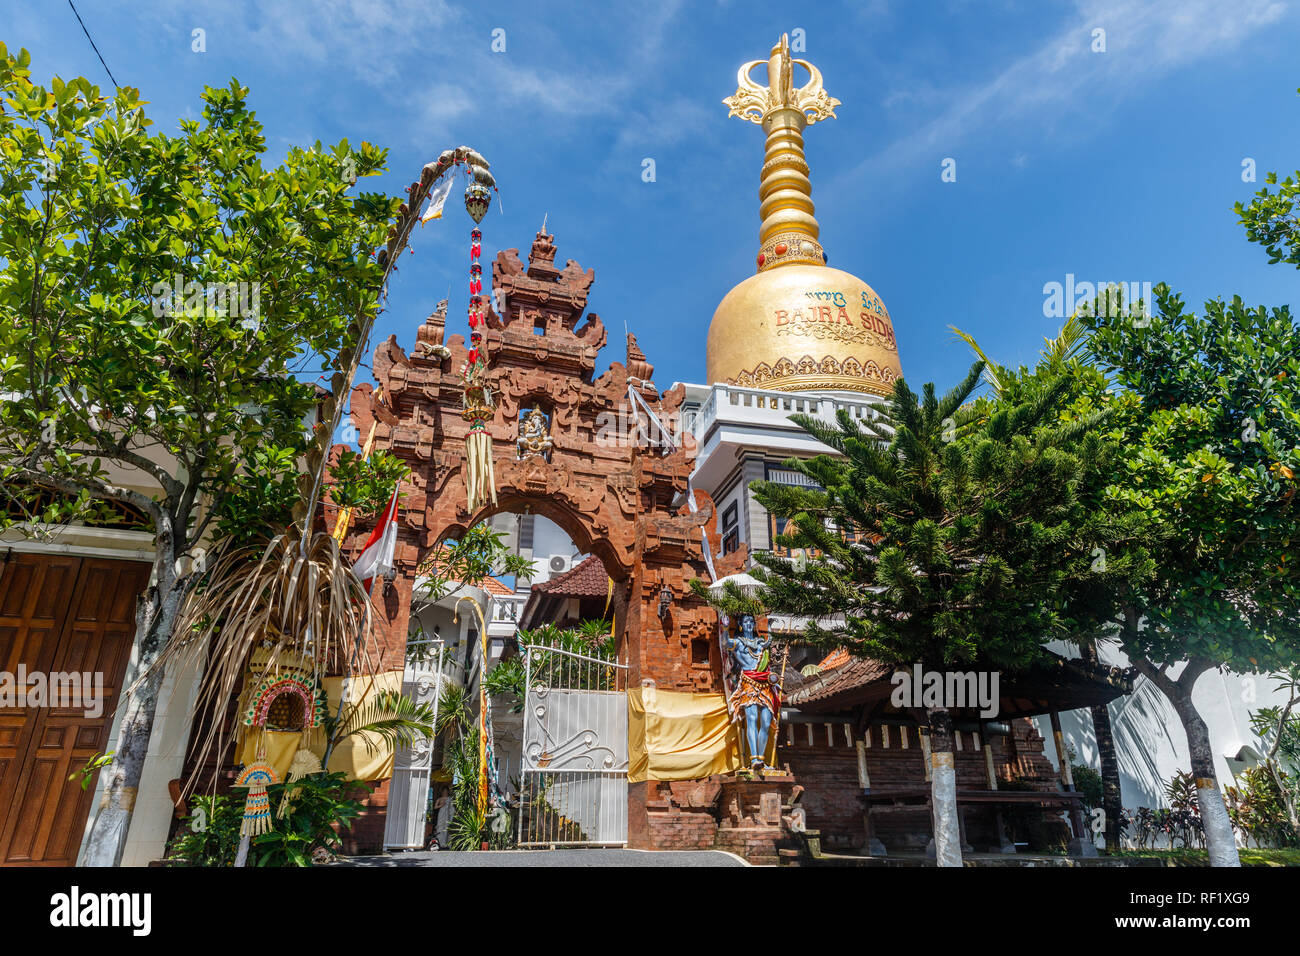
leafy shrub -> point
(1088, 782)
(1257, 808)
(307, 834)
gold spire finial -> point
(789, 230)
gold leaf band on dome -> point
(819, 325)
(808, 373)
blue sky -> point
(1114, 166)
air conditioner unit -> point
(559, 564)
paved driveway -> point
(583, 857)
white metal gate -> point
(408, 790)
(573, 775)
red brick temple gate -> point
(614, 488)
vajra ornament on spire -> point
(756, 103)
(789, 231)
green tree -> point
(1211, 450)
(940, 534)
(468, 561)
(157, 294)
(1272, 218)
(365, 484)
(1278, 728)
(1093, 599)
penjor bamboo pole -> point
(348, 357)
(482, 705)
(344, 520)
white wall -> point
(1149, 740)
(549, 539)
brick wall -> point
(367, 833)
(828, 768)
(665, 825)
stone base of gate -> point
(748, 817)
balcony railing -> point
(757, 406)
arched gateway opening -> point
(591, 461)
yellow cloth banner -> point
(677, 736)
(350, 755)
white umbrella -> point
(748, 584)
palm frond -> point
(301, 603)
(454, 709)
(994, 373)
(392, 716)
(1068, 345)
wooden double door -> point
(58, 614)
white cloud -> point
(431, 60)
(1145, 39)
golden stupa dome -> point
(802, 327)
(797, 324)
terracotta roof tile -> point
(492, 586)
(835, 658)
(837, 675)
(1053, 682)
(588, 579)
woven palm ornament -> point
(257, 776)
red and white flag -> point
(377, 556)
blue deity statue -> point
(757, 695)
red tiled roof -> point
(1052, 683)
(588, 579)
(492, 586)
(835, 658)
(839, 672)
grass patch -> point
(1183, 856)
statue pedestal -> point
(753, 817)
(758, 816)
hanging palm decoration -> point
(305, 763)
(480, 480)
